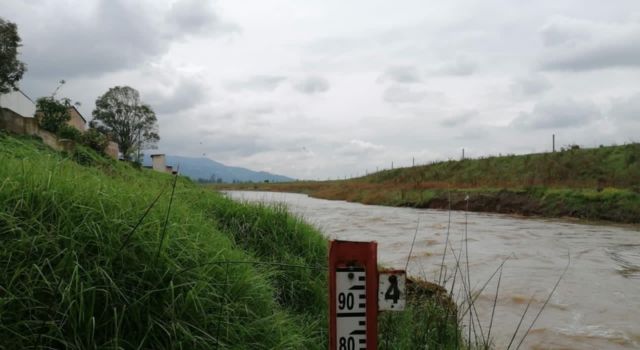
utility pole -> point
(413, 161)
(391, 164)
(463, 154)
(553, 142)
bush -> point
(69, 132)
(95, 140)
(55, 113)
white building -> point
(19, 103)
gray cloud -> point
(625, 115)
(459, 119)
(622, 53)
(398, 94)
(582, 45)
(462, 66)
(531, 85)
(626, 109)
(249, 105)
(565, 32)
(557, 114)
(312, 85)
(358, 147)
(197, 17)
(114, 35)
(257, 83)
(187, 94)
(401, 74)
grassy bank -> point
(595, 184)
(99, 255)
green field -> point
(594, 184)
(97, 254)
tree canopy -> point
(130, 123)
(11, 69)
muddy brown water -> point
(596, 305)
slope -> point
(92, 257)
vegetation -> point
(428, 322)
(95, 140)
(131, 123)
(54, 113)
(97, 254)
(595, 184)
(54, 117)
(11, 68)
(83, 267)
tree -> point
(129, 122)
(54, 113)
(11, 69)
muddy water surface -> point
(596, 305)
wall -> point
(112, 150)
(11, 121)
(76, 119)
(17, 124)
(158, 162)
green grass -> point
(87, 262)
(595, 184)
(610, 166)
(66, 281)
(438, 327)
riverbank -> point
(591, 184)
(589, 310)
(100, 254)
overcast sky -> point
(325, 89)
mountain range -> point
(205, 169)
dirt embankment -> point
(596, 204)
(503, 202)
(570, 205)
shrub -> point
(95, 140)
(55, 113)
(69, 132)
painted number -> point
(347, 343)
(345, 301)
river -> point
(597, 302)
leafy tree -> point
(11, 69)
(131, 123)
(54, 113)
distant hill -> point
(207, 169)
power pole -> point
(463, 154)
(413, 161)
(553, 142)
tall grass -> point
(99, 255)
(67, 280)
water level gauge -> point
(351, 308)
